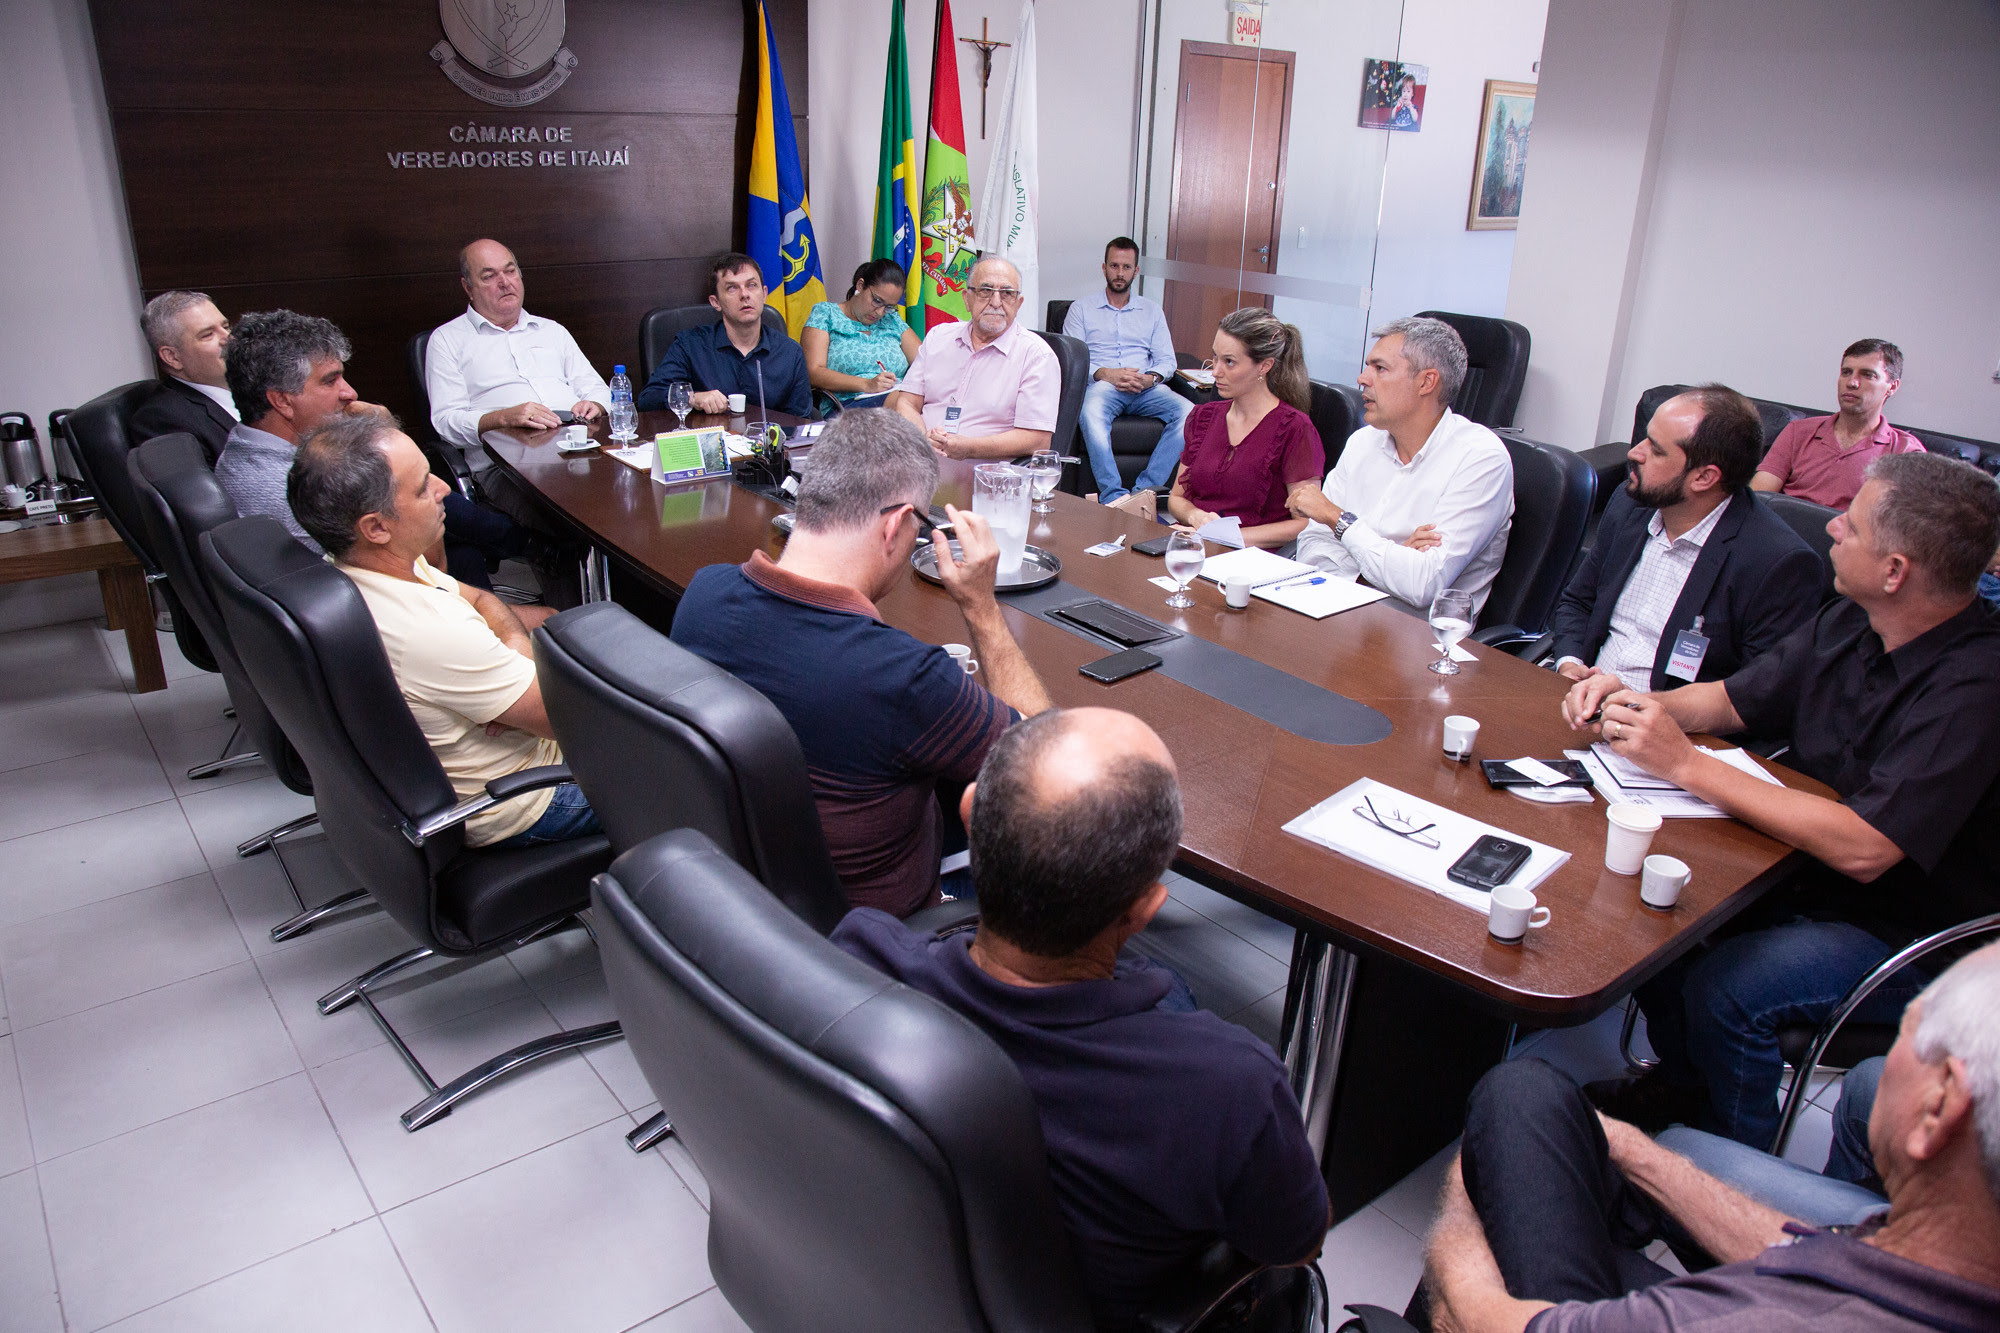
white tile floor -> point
(185, 1143)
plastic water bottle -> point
(624, 417)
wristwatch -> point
(1347, 520)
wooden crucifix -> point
(987, 46)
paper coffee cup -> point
(1629, 831)
(1661, 881)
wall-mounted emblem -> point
(507, 39)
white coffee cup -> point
(1662, 880)
(737, 402)
(963, 656)
(1459, 733)
(1629, 832)
(15, 497)
(1236, 591)
(1511, 912)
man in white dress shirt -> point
(496, 365)
(1421, 498)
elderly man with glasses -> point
(986, 388)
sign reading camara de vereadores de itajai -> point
(476, 145)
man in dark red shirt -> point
(1824, 459)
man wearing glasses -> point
(986, 388)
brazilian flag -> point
(781, 232)
(896, 174)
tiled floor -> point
(185, 1143)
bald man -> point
(1167, 1128)
(985, 388)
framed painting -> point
(1500, 161)
(1392, 95)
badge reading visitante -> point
(508, 39)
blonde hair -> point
(1267, 338)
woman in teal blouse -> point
(860, 346)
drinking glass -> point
(1185, 555)
(1451, 620)
(680, 401)
(1000, 496)
(1045, 470)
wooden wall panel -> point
(254, 142)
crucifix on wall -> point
(987, 46)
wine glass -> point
(1044, 470)
(680, 401)
(1451, 620)
(1185, 555)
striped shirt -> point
(1640, 616)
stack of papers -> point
(1670, 801)
(1252, 563)
(1222, 531)
(1334, 823)
(1321, 595)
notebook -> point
(1253, 563)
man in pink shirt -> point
(1822, 459)
(986, 388)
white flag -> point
(1006, 225)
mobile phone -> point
(1489, 863)
(566, 417)
(1120, 665)
(1157, 546)
(1499, 775)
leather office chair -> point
(1336, 414)
(659, 327)
(1133, 439)
(311, 650)
(1496, 352)
(447, 460)
(1073, 361)
(1553, 492)
(788, 1069)
(1809, 520)
(100, 435)
(179, 499)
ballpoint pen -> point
(1302, 580)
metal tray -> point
(1038, 568)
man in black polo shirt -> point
(1167, 1128)
(1544, 1212)
(1890, 696)
(885, 719)
(726, 357)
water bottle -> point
(624, 417)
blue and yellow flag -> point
(896, 174)
(781, 232)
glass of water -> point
(1045, 469)
(680, 401)
(1185, 555)
(1000, 496)
(1451, 620)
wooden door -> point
(1230, 129)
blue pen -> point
(1300, 582)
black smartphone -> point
(1157, 546)
(1499, 775)
(1489, 863)
(567, 418)
(1120, 665)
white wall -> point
(1735, 192)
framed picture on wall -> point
(1392, 95)
(1500, 161)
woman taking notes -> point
(860, 346)
(1245, 452)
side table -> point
(48, 549)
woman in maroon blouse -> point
(1246, 451)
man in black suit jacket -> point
(1691, 576)
(187, 334)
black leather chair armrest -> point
(947, 917)
(1374, 1319)
(447, 460)
(1608, 462)
(1498, 636)
(1206, 1284)
(1515, 640)
(500, 789)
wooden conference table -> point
(1243, 778)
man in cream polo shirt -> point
(460, 655)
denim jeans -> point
(1101, 404)
(569, 816)
(1716, 1019)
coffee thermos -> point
(21, 452)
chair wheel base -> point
(650, 1134)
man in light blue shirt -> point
(1131, 359)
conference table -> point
(1243, 777)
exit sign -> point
(1246, 22)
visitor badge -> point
(1690, 646)
(951, 416)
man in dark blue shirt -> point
(725, 357)
(1167, 1130)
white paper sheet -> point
(1459, 653)
(1222, 531)
(1330, 596)
(1254, 563)
(1670, 804)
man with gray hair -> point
(1421, 498)
(986, 387)
(187, 334)
(1545, 1210)
(1890, 696)
(889, 724)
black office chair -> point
(1496, 353)
(1073, 361)
(100, 436)
(1336, 414)
(1133, 439)
(659, 327)
(447, 460)
(179, 499)
(312, 652)
(1809, 520)
(1553, 491)
(846, 1124)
